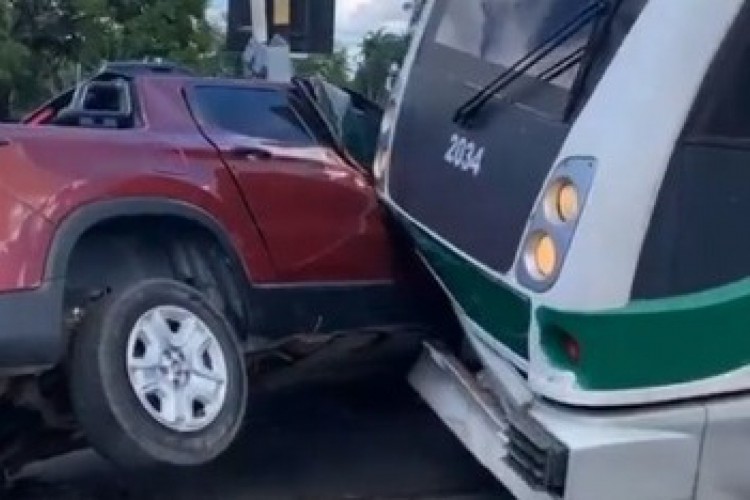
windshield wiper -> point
(592, 12)
(563, 65)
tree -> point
(380, 50)
(172, 29)
(36, 39)
(334, 67)
(50, 34)
(44, 44)
(13, 59)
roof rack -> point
(134, 68)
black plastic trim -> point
(282, 311)
(75, 225)
(534, 453)
(31, 329)
(276, 311)
(32, 334)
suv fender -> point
(82, 219)
(32, 331)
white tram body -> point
(586, 214)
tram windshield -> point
(531, 61)
(505, 31)
(505, 35)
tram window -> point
(722, 109)
(486, 37)
(508, 30)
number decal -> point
(460, 153)
(475, 164)
(450, 156)
(464, 155)
(467, 158)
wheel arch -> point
(72, 236)
(74, 226)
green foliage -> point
(334, 68)
(13, 58)
(380, 50)
(13, 55)
(44, 44)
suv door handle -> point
(251, 153)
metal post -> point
(260, 20)
(264, 58)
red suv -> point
(155, 229)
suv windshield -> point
(354, 119)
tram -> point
(576, 175)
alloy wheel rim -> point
(177, 368)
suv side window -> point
(722, 109)
(253, 112)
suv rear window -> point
(252, 112)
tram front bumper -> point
(541, 451)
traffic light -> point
(307, 25)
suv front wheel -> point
(157, 375)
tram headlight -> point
(554, 222)
(562, 203)
(567, 201)
(542, 256)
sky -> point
(354, 18)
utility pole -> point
(416, 7)
(260, 20)
(266, 33)
(264, 58)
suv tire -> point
(157, 375)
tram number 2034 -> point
(465, 155)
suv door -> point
(355, 119)
(319, 215)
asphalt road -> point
(355, 440)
